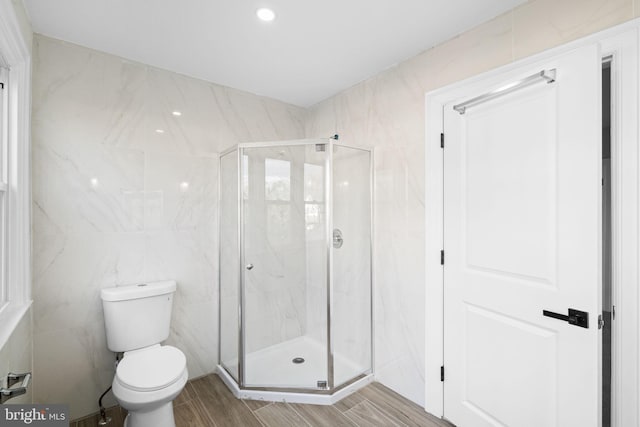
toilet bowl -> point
(149, 375)
(146, 383)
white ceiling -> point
(313, 49)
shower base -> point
(273, 367)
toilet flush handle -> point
(249, 266)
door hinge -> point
(1, 85)
(600, 321)
(442, 257)
(442, 140)
(613, 312)
(441, 373)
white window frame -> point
(16, 57)
(4, 136)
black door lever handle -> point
(575, 317)
(555, 315)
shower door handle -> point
(338, 240)
(249, 266)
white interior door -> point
(522, 235)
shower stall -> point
(295, 270)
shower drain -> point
(298, 360)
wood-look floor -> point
(207, 402)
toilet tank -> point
(137, 316)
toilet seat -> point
(151, 369)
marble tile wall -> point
(387, 112)
(115, 202)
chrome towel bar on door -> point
(548, 76)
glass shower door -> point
(352, 312)
(229, 263)
(285, 266)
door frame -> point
(623, 42)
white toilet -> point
(150, 375)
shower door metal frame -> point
(241, 266)
(329, 242)
(238, 195)
(239, 152)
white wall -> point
(387, 111)
(94, 117)
(23, 21)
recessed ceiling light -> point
(177, 113)
(266, 14)
(159, 131)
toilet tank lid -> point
(140, 290)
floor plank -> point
(349, 402)
(398, 408)
(186, 395)
(322, 415)
(280, 415)
(221, 405)
(365, 414)
(254, 405)
(192, 414)
(207, 402)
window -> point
(277, 196)
(277, 179)
(314, 201)
(245, 177)
(15, 170)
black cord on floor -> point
(103, 414)
(103, 394)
